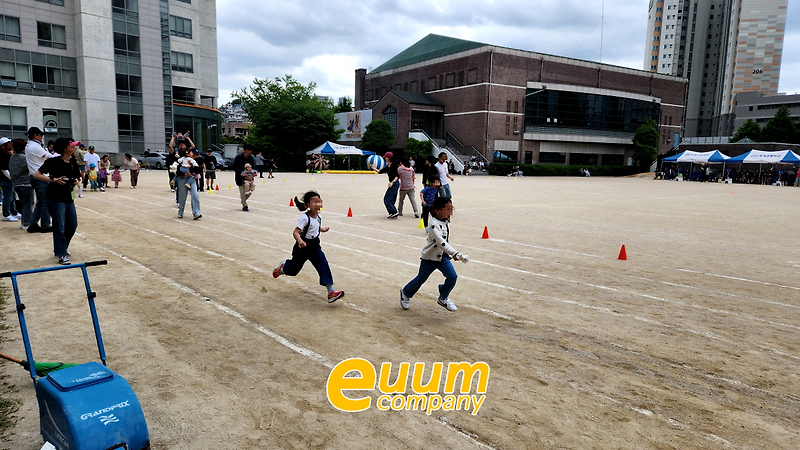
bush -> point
(553, 170)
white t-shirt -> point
(313, 229)
(35, 155)
(443, 171)
(92, 158)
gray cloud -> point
(324, 42)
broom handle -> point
(11, 358)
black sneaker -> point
(197, 216)
(45, 230)
(34, 228)
(64, 260)
(245, 208)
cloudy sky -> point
(324, 41)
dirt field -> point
(693, 342)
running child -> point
(307, 245)
(436, 255)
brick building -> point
(531, 107)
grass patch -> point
(8, 406)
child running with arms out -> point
(307, 245)
(436, 255)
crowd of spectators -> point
(781, 175)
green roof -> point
(417, 98)
(430, 47)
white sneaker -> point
(447, 304)
(24, 227)
(80, 195)
(18, 215)
(404, 300)
(10, 219)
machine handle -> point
(96, 263)
(5, 275)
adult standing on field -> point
(36, 154)
(444, 175)
(390, 198)
(61, 174)
(21, 180)
(9, 209)
(259, 164)
(133, 166)
(246, 157)
(92, 158)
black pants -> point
(425, 211)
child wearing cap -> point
(92, 175)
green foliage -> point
(288, 119)
(377, 137)
(232, 140)
(555, 170)
(781, 128)
(749, 130)
(645, 142)
(345, 105)
(418, 150)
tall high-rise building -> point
(723, 47)
(119, 74)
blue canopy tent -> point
(692, 157)
(760, 157)
(332, 148)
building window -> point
(9, 29)
(13, 121)
(51, 35)
(508, 125)
(181, 27)
(182, 62)
(129, 85)
(126, 45)
(53, 2)
(390, 115)
(57, 123)
(126, 7)
(186, 1)
(38, 74)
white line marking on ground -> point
(275, 336)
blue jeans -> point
(444, 191)
(390, 198)
(8, 198)
(426, 268)
(311, 252)
(25, 194)
(183, 191)
(65, 222)
(41, 211)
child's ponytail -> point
(301, 205)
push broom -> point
(42, 368)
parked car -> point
(154, 160)
(222, 162)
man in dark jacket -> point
(246, 157)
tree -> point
(645, 143)
(781, 128)
(287, 119)
(418, 150)
(345, 104)
(377, 137)
(749, 130)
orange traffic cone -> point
(349, 212)
(291, 202)
(622, 254)
(217, 187)
(485, 233)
